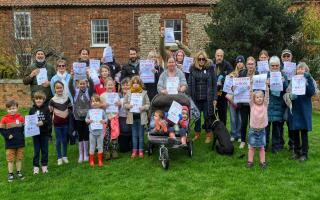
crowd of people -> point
(70, 106)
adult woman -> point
(171, 71)
(202, 86)
(152, 87)
(235, 117)
(276, 108)
(63, 76)
(244, 107)
(263, 55)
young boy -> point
(11, 127)
(40, 142)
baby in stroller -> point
(158, 125)
(180, 128)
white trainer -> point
(242, 144)
(35, 170)
(59, 161)
(65, 160)
(232, 139)
(45, 169)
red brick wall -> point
(71, 27)
(14, 89)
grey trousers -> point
(96, 140)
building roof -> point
(45, 3)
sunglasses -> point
(61, 65)
(201, 59)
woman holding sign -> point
(250, 71)
(172, 80)
(276, 106)
(202, 86)
(300, 115)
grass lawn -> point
(206, 175)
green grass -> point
(206, 175)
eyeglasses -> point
(201, 59)
(61, 65)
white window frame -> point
(16, 28)
(165, 25)
(93, 34)
(23, 54)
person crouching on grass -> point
(96, 135)
(40, 142)
(258, 122)
(11, 127)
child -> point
(11, 127)
(40, 142)
(125, 144)
(81, 97)
(60, 105)
(138, 120)
(113, 118)
(181, 127)
(258, 122)
(96, 135)
(300, 114)
(104, 73)
(158, 124)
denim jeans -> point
(137, 135)
(276, 135)
(40, 143)
(235, 122)
(61, 139)
(202, 106)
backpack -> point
(82, 104)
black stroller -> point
(163, 102)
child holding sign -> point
(111, 103)
(11, 127)
(96, 117)
(40, 142)
(300, 114)
(258, 122)
(137, 115)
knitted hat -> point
(286, 51)
(240, 59)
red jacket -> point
(13, 125)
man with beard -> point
(132, 68)
(223, 68)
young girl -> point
(40, 142)
(96, 133)
(300, 114)
(125, 144)
(59, 105)
(113, 134)
(258, 123)
(81, 94)
(104, 73)
(158, 124)
(138, 120)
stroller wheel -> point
(149, 149)
(164, 157)
(190, 148)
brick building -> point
(73, 24)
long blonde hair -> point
(196, 61)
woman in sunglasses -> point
(202, 86)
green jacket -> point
(34, 87)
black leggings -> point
(245, 115)
(303, 146)
(82, 129)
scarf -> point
(135, 63)
(136, 90)
(40, 63)
(61, 99)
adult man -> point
(132, 68)
(222, 69)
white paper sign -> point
(298, 85)
(30, 126)
(187, 62)
(242, 90)
(42, 77)
(94, 64)
(136, 102)
(107, 54)
(169, 36)
(276, 83)
(111, 99)
(259, 82)
(228, 83)
(172, 85)
(94, 76)
(96, 117)
(79, 71)
(289, 68)
(174, 112)
(263, 67)
(146, 71)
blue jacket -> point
(277, 106)
(301, 116)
